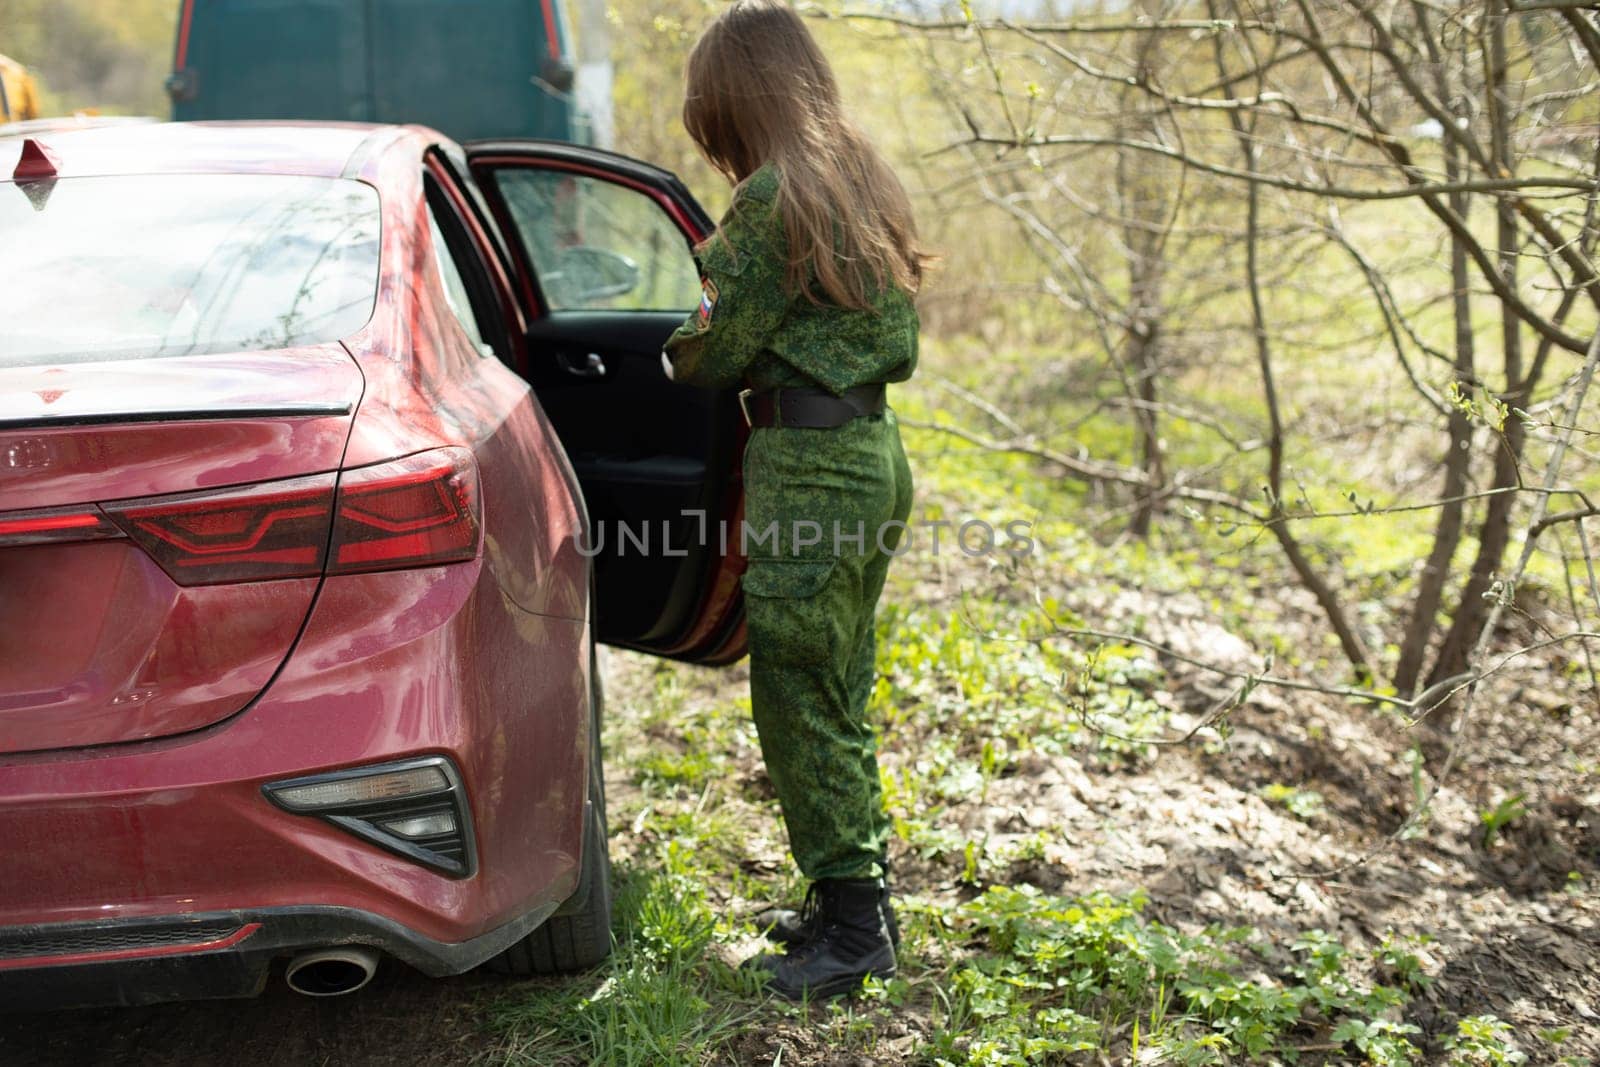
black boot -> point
(849, 941)
(787, 927)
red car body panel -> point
(447, 393)
(179, 825)
(102, 645)
(118, 804)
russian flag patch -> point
(708, 302)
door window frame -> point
(473, 315)
(528, 278)
(488, 286)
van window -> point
(140, 267)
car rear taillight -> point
(411, 512)
(55, 525)
(244, 534)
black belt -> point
(809, 409)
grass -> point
(659, 1000)
(1012, 977)
(1053, 977)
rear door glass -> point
(140, 267)
(596, 245)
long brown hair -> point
(759, 90)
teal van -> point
(469, 68)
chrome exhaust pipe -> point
(331, 972)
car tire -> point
(578, 935)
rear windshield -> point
(174, 265)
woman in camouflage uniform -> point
(807, 304)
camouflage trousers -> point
(811, 595)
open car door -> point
(600, 245)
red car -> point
(327, 453)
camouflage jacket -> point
(749, 331)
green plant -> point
(1503, 814)
(1483, 1041)
(659, 1000)
(1053, 975)
(1304, 803)
(1395, 954)
(1380, 1041)
(1415, 761)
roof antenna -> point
(37, 162)
(36, 173)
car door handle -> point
(589, 365)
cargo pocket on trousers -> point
(785, 611)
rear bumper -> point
(215, 955)
(177, 830)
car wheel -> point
(578, 935)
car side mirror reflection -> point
(592, 274)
